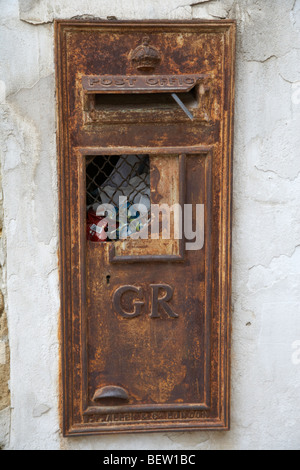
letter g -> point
(117, 298)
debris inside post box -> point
(109, 179)
(182, 106)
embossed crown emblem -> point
(145, 57)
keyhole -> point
(108, 279)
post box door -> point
(145, 133)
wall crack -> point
(275, 258)
(200, 3)
(276, 174)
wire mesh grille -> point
(109, 177)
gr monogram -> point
(159, 303)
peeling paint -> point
(40, 410)
(2, 352)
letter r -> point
(163, 301)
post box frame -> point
(72, 277)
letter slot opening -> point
(143, 101)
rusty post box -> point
(145, 113)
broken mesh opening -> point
(108, 178)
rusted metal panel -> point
(146, 323)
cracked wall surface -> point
(266, 223)
(4, 345)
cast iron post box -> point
(145, 163)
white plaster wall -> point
(266, 231)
